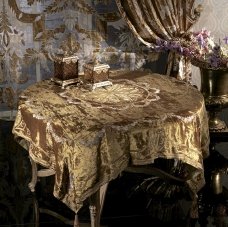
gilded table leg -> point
(76, 221)
(36, 211)
(33, 181)
(94, 215)
(96, 205)
(38, 173)
(32, 185)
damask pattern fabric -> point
(89, 137)
(34, 32)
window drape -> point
(151, 20)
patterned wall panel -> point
(33, 32)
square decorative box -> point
(66, 68)
(96, 73)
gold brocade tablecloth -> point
(89, 137)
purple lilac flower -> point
(216, 50)
(226, 40)
(198, 48)
(186, 52)
(201, 40)
(214, 61)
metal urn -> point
(214, 87)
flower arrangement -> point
(200, 48)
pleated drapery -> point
(153, 20)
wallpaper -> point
(34, 32)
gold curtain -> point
(151, 20)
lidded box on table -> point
(66, 68)
(95, 72)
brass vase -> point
(214, 87)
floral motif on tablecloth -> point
(123, 94)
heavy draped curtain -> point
(151, 20)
